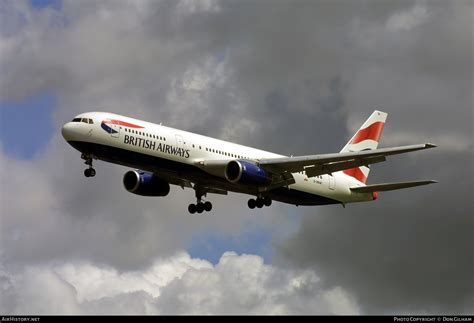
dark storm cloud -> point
(409, 251)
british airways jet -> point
(161, 156)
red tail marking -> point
(356, 173)
(372, 132)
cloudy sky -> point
(294, 77)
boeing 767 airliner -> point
(162, 156)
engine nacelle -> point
(244, 172)
(145, 184)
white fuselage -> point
(175, 153)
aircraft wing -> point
(315, 165)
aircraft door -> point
(179, 141)
(332, 182)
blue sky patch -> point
(40, 4)
(211, 246)
(26, 126)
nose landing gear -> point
(88, 172)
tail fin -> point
(366, 138)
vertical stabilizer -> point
(366, 138)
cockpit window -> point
(85, 120)
(76, 120)
(90, 121)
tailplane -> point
(366, 138)
(389, 186)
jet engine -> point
(244, 172)
(145, 183)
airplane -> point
(162, 156)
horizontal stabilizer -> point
(389, 186)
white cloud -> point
(406, 20)
(187, 7)
(178, 285)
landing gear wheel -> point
(200, 207)
(259, 203)
(89, 172)
(267, 201)
(251, 203)
(192, 208)
(207, 206)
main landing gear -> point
(88, 172)
(200, 206)
(259, 202)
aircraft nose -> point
(67, 131)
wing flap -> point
(338, 166)
(389, 186)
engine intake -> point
(145, 183)
(244, 172)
